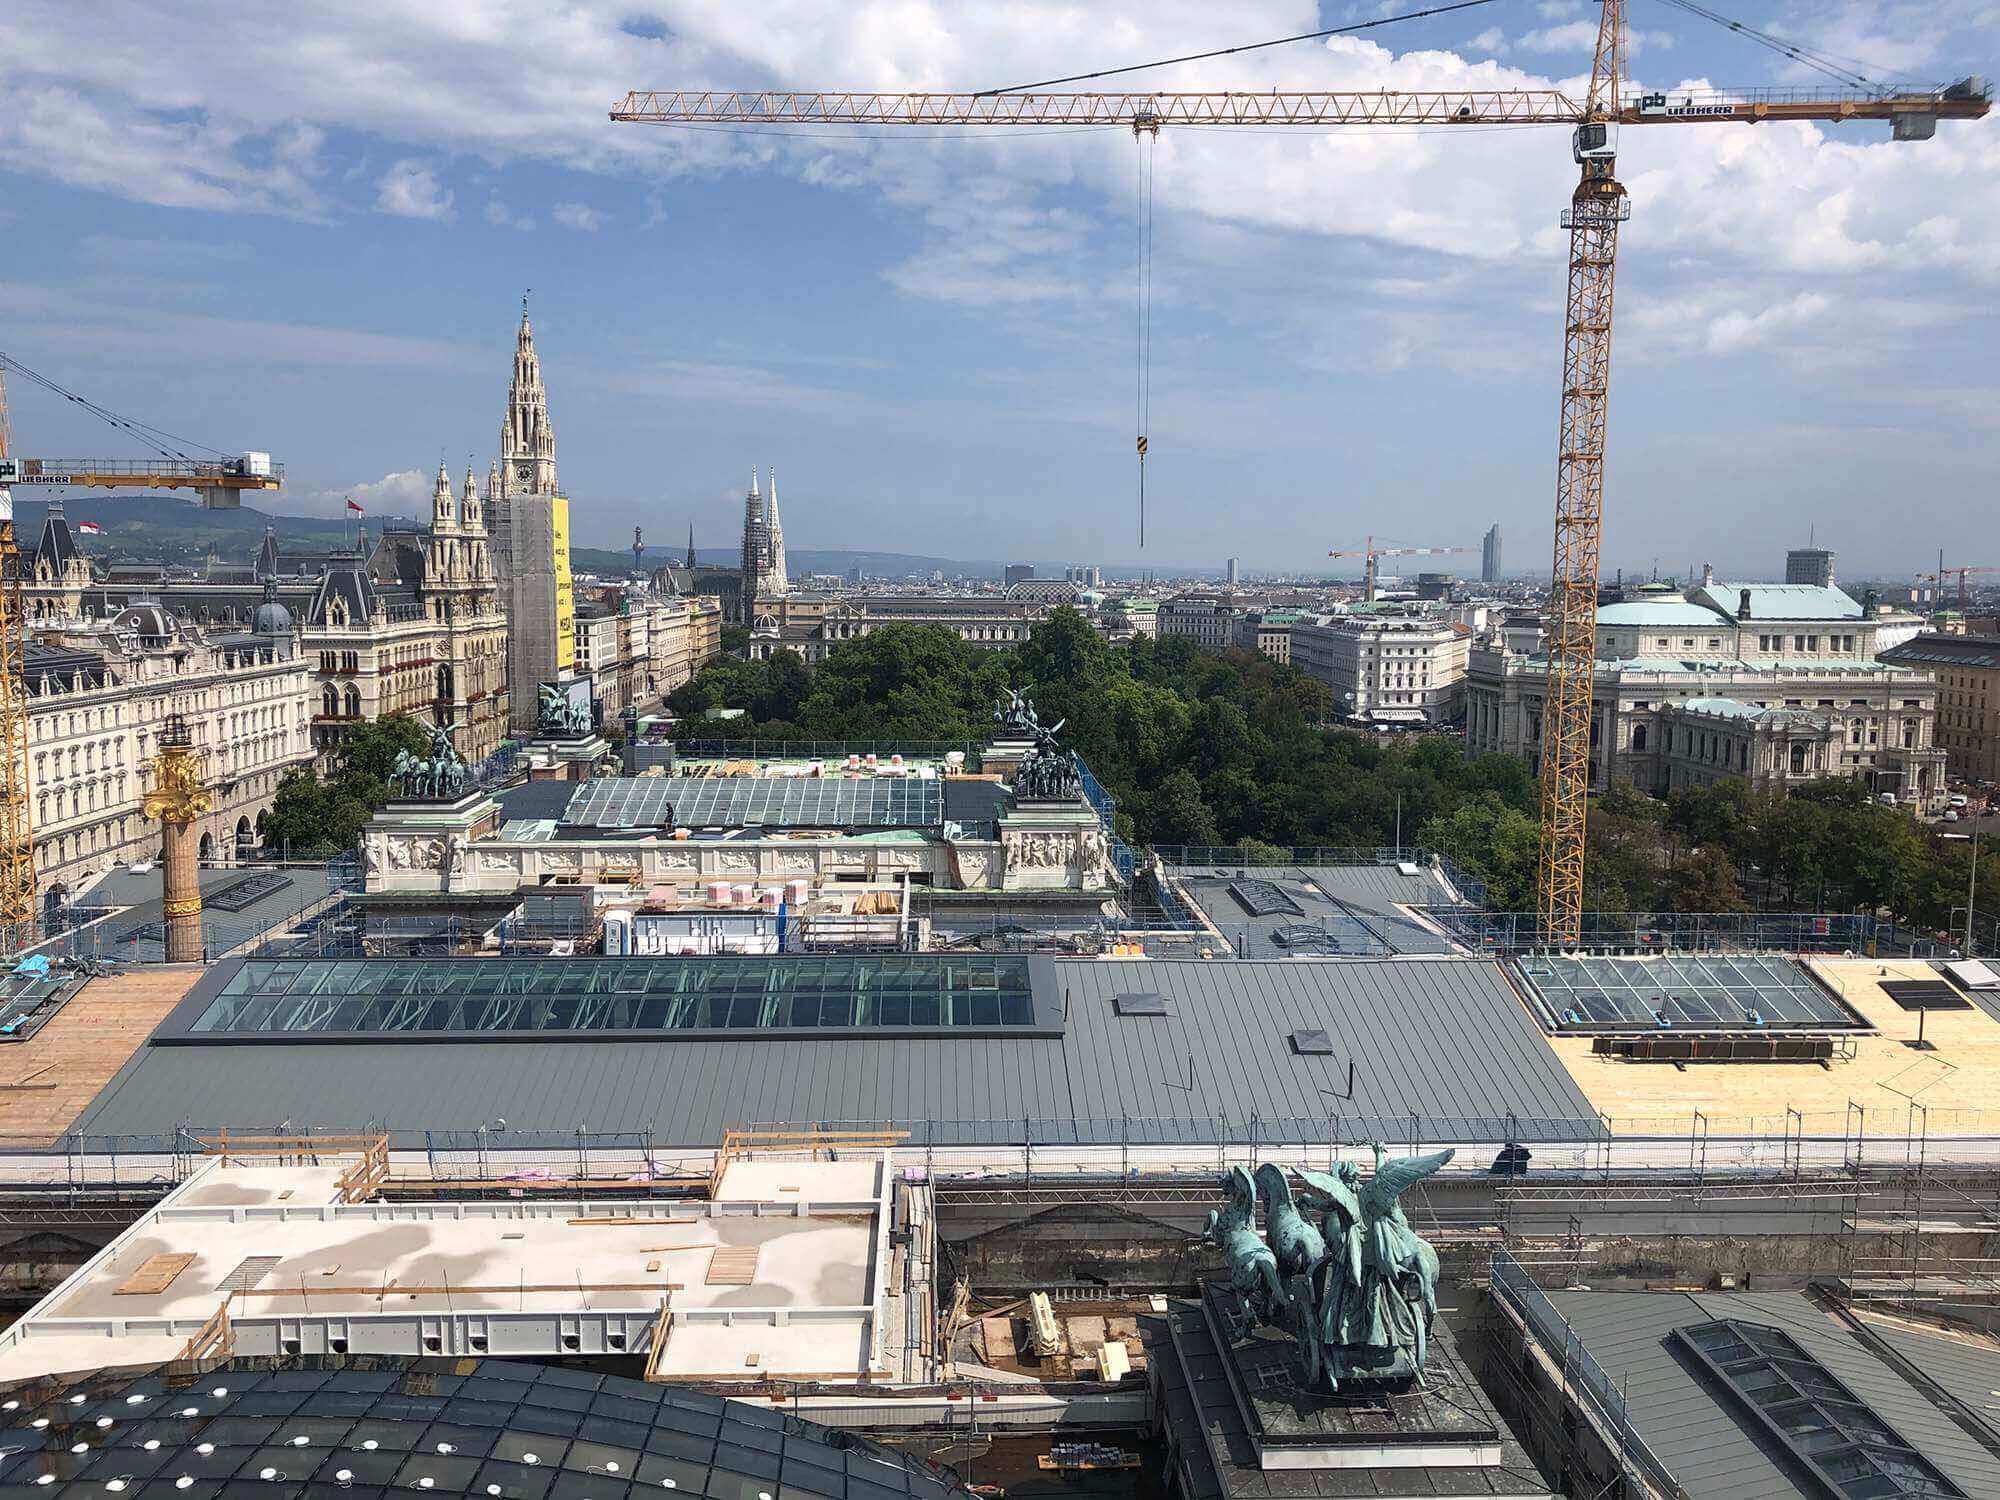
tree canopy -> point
(315, 818)
(1232, 748)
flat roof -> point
(1446, 1039)
(1378, 898)
(278, 1246)
(1956, 1081)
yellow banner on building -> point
(565, 585)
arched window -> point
(329, 700)
(1638, 737)
(353, 701)
(1798, 758)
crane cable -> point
(155, 438)
(1142, 395)
(1831, 64)
(1303, 36)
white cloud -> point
(1581, 36)
(577, 216)
(1492, 40)
(410, 190)
(407, 492)
(502, 217)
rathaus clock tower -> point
(527, 441)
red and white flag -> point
(90, 528)
(355, 508)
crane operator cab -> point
(1595, 140)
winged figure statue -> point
(1361, 1287)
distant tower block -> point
(179, 801)
(1235, 573)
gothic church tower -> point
(527, 441)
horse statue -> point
(412, 773)
(1253, 1269)
(1301, 1251)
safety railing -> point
(1124, 859)
(1580, 1372)
(1696, 932)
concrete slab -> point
(298, 1271)
(765, 1181)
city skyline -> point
(932, 337)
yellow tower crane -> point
(219, 480)
(1596, 209)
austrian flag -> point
(355, 508)
(90, 528)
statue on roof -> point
(559, 715)
(1048, 773)
(437, 774)
(1015, 713)
(1358, 1290)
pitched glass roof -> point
(758, 801)
(358, 998)
(368, 1425)
(1798, 1402)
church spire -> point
(691, 561)
(527, 440)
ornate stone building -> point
(1773, 683)
(813, 624)
(98, 693)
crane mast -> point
(17, 854)
(1596, 209)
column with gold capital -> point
(179, 800)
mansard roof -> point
(348, 585)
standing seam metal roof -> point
(1447, 1039)
(1699, 1434)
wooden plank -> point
(88, 1040)
(733, 1265)
(155, 1274)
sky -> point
(308, 229)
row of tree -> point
(1197, 747)
(1214, 748)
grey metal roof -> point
(1444, 1039)
(1702, 1438)
(1981, 651)
(536, 799)
(1373, 895)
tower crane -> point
(220, 480)
(1371, 552)
(1936, 580)
(1597, 207)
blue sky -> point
(310, 233)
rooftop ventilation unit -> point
(1146, 1004)
(1312, 1043)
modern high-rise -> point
(1809, 565)
(1017, 573)
(1233, 573)
(1489, 555)
(530, 536)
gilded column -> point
(179, 800)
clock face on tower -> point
(524, 472)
